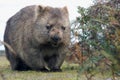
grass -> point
(7, 74)
(69, 73)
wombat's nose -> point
(55, 38)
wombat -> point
(39, 36)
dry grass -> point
(69, 73)
(7, 74)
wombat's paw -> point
(55, 70)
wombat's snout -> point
(56, 38)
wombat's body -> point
(39, 36)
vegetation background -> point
(94, 50)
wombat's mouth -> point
(55, 44)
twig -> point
(9, 47)
(2, 76)
(88, 77)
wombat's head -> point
(56, 34)
(53, 25)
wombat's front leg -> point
(55, 62)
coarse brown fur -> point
(39, 36)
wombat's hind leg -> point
(20, 65)
(16, 63)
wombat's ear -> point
(38, 11)
(65, 9)
(40, 8)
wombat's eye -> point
(63, 28)
(48, 27)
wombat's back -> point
(16, 27)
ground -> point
(7, 74)
(70, 72)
